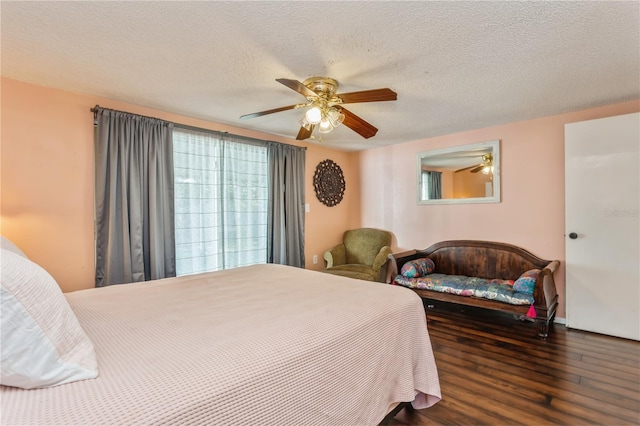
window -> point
(424, 187)
(221, 199)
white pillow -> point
(43, 343)
(6, 244)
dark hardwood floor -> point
(494, 371)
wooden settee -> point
(491, 260)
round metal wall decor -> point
(328, 182)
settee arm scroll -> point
(546, 294)
(394, 259)
(552, 267)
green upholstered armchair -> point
(362, 254)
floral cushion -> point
(418, 268)
(527, 281)
(498, 290)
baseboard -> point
(562, 321)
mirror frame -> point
(494, 145)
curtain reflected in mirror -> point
(462, 174)
(431, 185)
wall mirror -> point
(460, 174)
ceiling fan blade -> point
(297, 86)
(357, 124)
(466, 168)
(478, 168)
(305, 133)
(375, 95)
(269, 111)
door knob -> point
(573, 235)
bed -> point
(262, 344)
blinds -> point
(221, 200)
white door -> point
(602, 191)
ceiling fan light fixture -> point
(488, 164)
(325, 125)
(313, 115)
(304, 123)
(324, 102)
(335, 116)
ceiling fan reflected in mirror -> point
(485, 167)
(324, 110)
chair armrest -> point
(336, 256)
(381, 263)
(381, 258)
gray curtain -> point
(285, 216)
(435, 185)
(134, 198)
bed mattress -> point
(263, 344)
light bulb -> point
(325, 126)
(335, 117)
(313, 115)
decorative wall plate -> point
(328, 182)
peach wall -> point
(46, 184)
(46, 179)
(470, 185)
(531, 214)
(330, 222)
(447, 184)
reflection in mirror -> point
(461, 174)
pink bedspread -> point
(262, 345)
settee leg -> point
(543, 329)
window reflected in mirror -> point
(461, 174)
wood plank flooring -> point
(494, 371)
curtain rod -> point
(95, 109)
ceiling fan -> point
(485, 167)
(325, 110)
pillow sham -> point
(418, 268)
(527, 281)
(7, 244)
(43, 343)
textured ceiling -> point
(455, 65)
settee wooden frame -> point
(487, 259)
